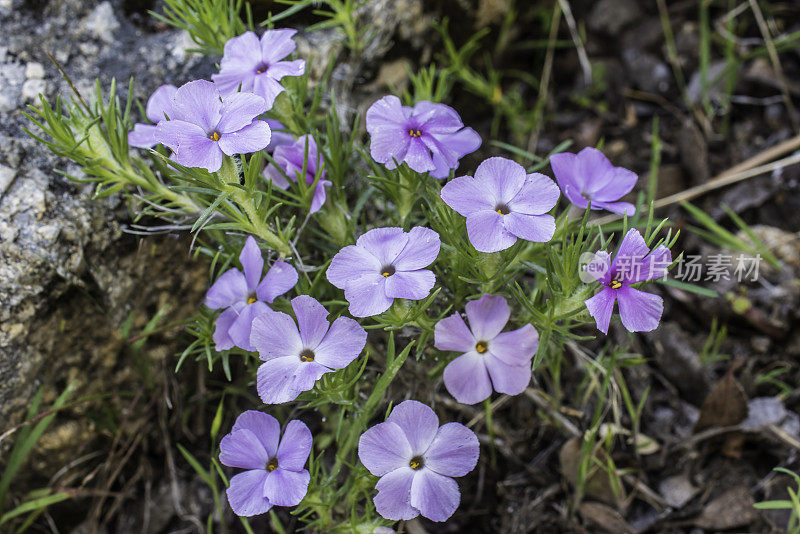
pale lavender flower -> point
(503, 203)
(385, 264)
(633, 263)
(275, 474)
(417, 460)
(250, 64)
(290, 158)
(589, 176)
(279, 137)
(429, 137)
(159, 108)
(491, 358)
(204, 127)
(297, 355)
(244, 296)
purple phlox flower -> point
(244, 296)
(159, 108)
(490, 357)
(634, 262)
(503, 203)
(256, 65)
(297, 355)
(588, 175)
(279, 137)
(429, 137)
(417, 460)
(290, 160)
(385, 264)
(275, 473)
(204, 127)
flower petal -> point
(143, 136)
(385, 244)
(222, 326)
(421, 249)
(246, 493)
(229, 288)
(394, 494)
(342, 344)
(536, 228)
(652, 266)
(599, 267)
(620, 208)
(454, 451)
(286, 488)
(487, 233)
(252, 262)
(389, 145)
(434, 495)
(567, 175)
(242, 448)
(508, 379)
(266, 428)
(242, 327)
(418, 156)
(436, 118)
(384, 448)
(466, 378)
(640, 311)
(282, 69)
(159, 105)
(198, 103)
(601, 306)
(631, 251)
(502, 178)
(294, 448)
(191, 146)
(351, 263)
(418, 421)
(239, 110)
(385, 113)
(312, 320)
(274, 335)
(282, 379)
(251, 138)
(621, 183)
(464, 195)
(267, 88)
(413, 285)
(277, 44)
(516, 347)
(280, 278)
(487, 316)
(451, 333)
(537, 196)
(367, 296)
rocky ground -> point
(76, 288)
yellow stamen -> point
(251, 300)
(272, 464)
(481, 347)
(415, 463)
(414, 132)
(214, 136)
(307, 355)
(615, 284)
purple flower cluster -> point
(589, 176)
(429, 137)
(201, 122)
(290, 158)
(491, 358)
(503, 203)
(416, 460)
(244, 296)
(639, 311)
(297, 355)
(385, 264)
(275, 474)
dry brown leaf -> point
(726, 405)
(732, 509)
(595, 514)
(599, 482)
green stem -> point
(228, 175)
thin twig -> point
(583, 58)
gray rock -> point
(610, 16)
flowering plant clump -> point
(371, 232)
